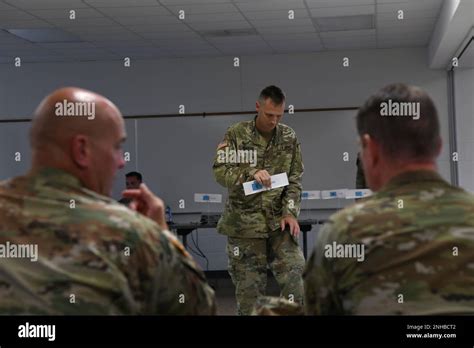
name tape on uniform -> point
(208, 198)
(278, 180)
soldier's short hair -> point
(135, 174)
(276, 95)
(401, 137)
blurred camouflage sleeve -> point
(276, 306)
(291, 199)
(230, 174)
(324, 278)
(187, 291)
(169, 277)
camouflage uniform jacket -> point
(95, 256)
(253, 216)
(418, 238)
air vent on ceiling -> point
(344, 23)
(229, 32)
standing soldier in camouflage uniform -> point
(409, 248)
(256, 225)
(94, 256)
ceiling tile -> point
(220, 25)
(141, 11)
(123, 36)
(65, 14)
(203, 8)
(408, 22)
(413, 15)
(15, 15)
(83, 22)
(350, 45)
(281, 22)
(150, 29)
(337, 3)
(239, 51)
(31, 24)
(214, 17)
(93, 30)
(430, 5)
(46, 4)
(177, 35)
(290, 37)
(265, 5)
(193, 2)
(334, 35)
(158, 28)
(285, 30)
(120, 3)
(342, 11)
(162, 20)
(6, 7)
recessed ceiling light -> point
(44, 35)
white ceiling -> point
(151, 29)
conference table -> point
(186, 228)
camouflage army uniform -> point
(252, 223)
(276, 306)
(418, 234)
(95, 255)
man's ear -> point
(81, 151)
(257, 105)
(372, 149)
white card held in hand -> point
(278, 180)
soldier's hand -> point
(263, 178)
(293, 223)
(146, 203)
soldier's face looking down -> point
(132, 182)
(268, 115)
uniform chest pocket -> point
(281, 157)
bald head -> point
(70, 111)
(81, 132)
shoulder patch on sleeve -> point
(175, 242)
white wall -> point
(464, 104)
(214, 84)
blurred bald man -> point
(66, 247)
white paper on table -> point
(278, 180)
